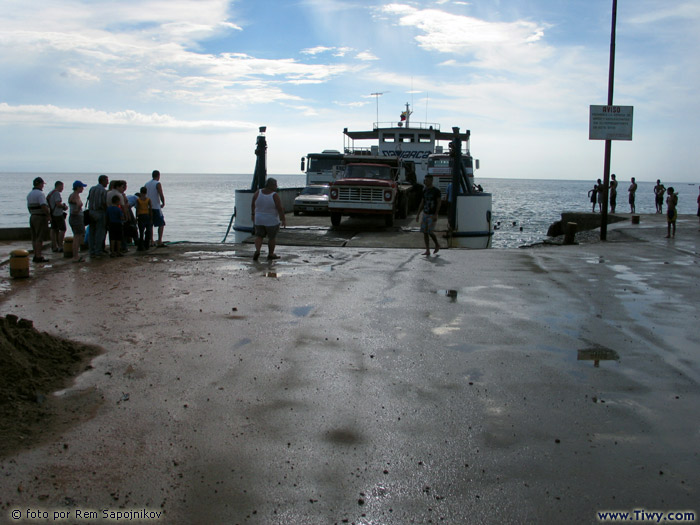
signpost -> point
(610, 123)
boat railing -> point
(413, 125)
(352, 150)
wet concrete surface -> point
(374, 385)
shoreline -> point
(374, 384)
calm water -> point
(199, 206)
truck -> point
(380, 186)
(322, 168)
(440, 167)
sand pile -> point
(34, 364)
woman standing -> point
(75, 219)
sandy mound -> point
(33, 365)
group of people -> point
(107, 209)
(596, 196)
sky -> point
(128, 86)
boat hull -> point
(474, 228)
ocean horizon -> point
(199, 206)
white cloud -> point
(316, 50)
(366, 56)
(494, 45)
(48, 115)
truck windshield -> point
(368, 172)
(323, 164)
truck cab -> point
(369, 189)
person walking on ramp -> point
(430, 205)
(267, 212)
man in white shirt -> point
(39, 215)
(154, 191)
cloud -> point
(493, 45)
(366, 55)
(316, 50)
(48, 115)
(335, 51)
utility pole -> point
(608, 143)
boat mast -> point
(407, 115)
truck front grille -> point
(360, 194)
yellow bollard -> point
(19, 263)
(68, 247)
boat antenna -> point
(377, 95)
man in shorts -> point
(632, 191)
(154, 191)
(430, 205)
(659, 191)
(267, 212)
(39, 214)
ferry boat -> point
(406, 148)
(415, 148)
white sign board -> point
(610, 123)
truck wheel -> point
(335, 219)
(389, 219)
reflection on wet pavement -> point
(302, 311)
(597, 355)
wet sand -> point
(373, 385)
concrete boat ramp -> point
(354, 232)
(372, 385)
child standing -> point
(144, 216)
(115, 219)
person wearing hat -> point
(75, 218)
(39, 215)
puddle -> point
(302, 311)
(626, 274)
(595, 260)
(597, 355)
(210, 255)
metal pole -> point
(608, 143)
(456, 155)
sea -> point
(199, 206)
